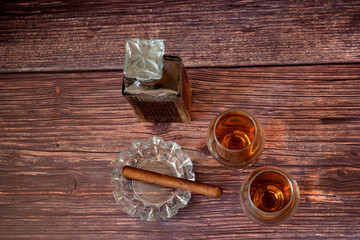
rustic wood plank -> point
(51, 35)
(60, 134)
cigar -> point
(169, 181)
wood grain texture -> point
(49, 35)
(60, 134)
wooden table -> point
(63, 120)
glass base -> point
(150, 193)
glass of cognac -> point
(269, 196)
(235, 138)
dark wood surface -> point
(49, 35)
(60, 131)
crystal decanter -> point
(154, 84)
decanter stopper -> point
(144, 59)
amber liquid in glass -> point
(235, 131)
(270, 191)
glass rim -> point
(252, 120)
(282, 173)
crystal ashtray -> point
(148, 201)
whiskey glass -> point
(235, 138)
(269, 196)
